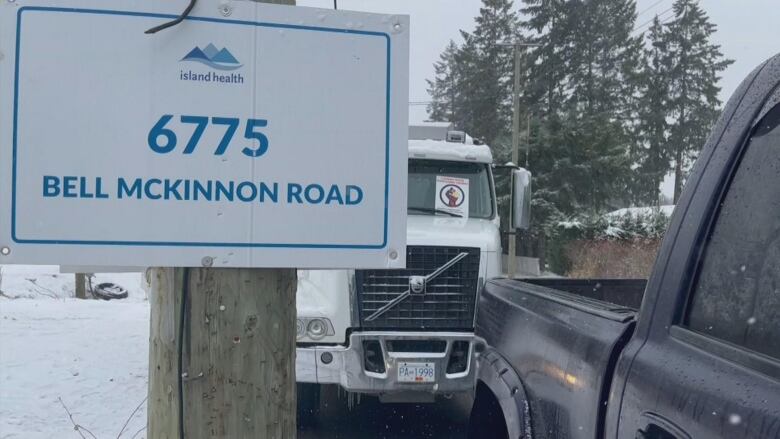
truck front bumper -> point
(348, 367)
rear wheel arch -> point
(487, 418)
(499, 386)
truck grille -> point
(448, 302)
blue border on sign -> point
(196, 244)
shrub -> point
(613, 245)
(615, 259)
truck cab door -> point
(705, 361)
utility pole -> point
(512, 257)
(222, 351)
(527, 138)
(516, 46)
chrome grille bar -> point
(448, 302)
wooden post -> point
(238, 351)
(238, 357)
(81, 287)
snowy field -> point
(91, 354)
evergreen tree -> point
(696, 63)
(650, 154)
(610, 117)
(491, 99)
(580, 80)
(481, 73)
(544, 96)
(605, 51)
(467, 60)
(579, 91)
(443, 88)
(596, 108)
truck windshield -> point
(425, 175)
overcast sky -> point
(747, 31)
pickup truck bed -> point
(580, 323)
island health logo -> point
(214, 58)
(218, 59)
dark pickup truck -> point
(692, 353)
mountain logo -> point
(213, 57)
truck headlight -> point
(314, 328)
(317, 329)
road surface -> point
(370, 419)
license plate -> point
(416, 372)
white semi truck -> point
(408, 335)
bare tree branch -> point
(76, 426)
(138, 432)
(131, 417)
(52, 294)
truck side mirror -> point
(521, 199)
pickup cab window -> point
(422, 186)
(737, 296)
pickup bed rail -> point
(624, 292)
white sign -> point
(249, 135)
(452, 195)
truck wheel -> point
(308, 403)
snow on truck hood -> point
(449, 231)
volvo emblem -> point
(417, 284)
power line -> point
(659, 15)
(649, 8)
(663, 23)
(649, 22)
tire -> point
(308, 409)
(109, 291)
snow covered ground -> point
(92, 354)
